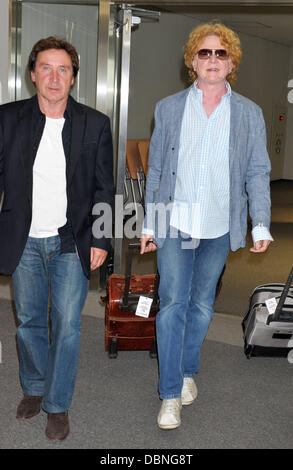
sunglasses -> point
(205, 54)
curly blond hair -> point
(229, 40)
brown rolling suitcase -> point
(124, 330)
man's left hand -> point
(98, 257)
(261, 246)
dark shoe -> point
(29, 407)
(57, 426)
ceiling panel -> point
(267, 22)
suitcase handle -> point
(131, 248)
(281, 302)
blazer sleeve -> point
(1, 161)
(154, 172)
(258, 175)
(104, 192)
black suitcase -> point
(266, 333)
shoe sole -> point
(56, 438)
(169, 426)
(185, 403)
(28, 417)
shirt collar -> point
(199, 92)
(38, 113)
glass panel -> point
(78, 24)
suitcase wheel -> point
(248, 351)
(153, 349)
(113, 348)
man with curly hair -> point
(207, 162)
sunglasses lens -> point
(204, 53)
(221, 54)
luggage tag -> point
(271, 305)
(143, 306)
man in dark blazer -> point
(56, 164)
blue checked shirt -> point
(201, 203)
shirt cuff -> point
(146, 231)
(259, 232)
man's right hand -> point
(144, 248)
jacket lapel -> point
(77, 137)
(175, 125)
(25, 141)
(235, 122)
(177, 114)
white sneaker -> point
(169, 416)
(189, 391)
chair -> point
(143, 148)
(134, 172)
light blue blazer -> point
(248, 162)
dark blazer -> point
(89, 174)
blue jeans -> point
(49, 356)
(188, 281)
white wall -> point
(78, 25)
(4, 49)
(263, 77)
(157, 70)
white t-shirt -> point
(49, 182)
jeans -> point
(188, 281)
(49, 356)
